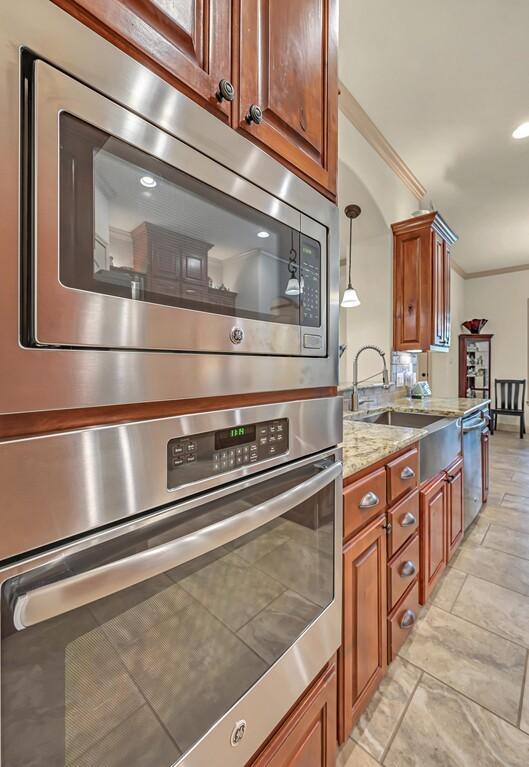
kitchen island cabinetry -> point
(266, 68)
(421, 283)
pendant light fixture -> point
(350, 296)
(294, 288)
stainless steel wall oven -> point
(179, 588)
(151, 252)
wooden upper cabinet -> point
(288, 68)
(188, 41)
(421, 283)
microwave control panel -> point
(200, 456)
(311, 279)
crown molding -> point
(358, 117)
(492, 272)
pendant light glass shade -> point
(350, 298)
(293, 288)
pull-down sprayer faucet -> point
(385, 375)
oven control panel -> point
(200, 456)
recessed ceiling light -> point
(148, 181)
(263, 234)
(522, 131)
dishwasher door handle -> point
(59, 597)
(474, 426)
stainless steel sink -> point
(439, 448)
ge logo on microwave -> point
(237, 733)
(236, 335)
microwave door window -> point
(136, 227)
(150, 669)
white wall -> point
(365, 179)
(444, 366)
(503, 300)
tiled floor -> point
(458, 695)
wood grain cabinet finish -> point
(307, 737)
(421, 283)
(288, 68)
(363, 500)
(404, 522)
(403, 474)
(402, 620)
(433, 534)
(188, 42)
(455, 507)
(363, 656)
(403, 570)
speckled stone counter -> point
(451, 407)
(366, 443)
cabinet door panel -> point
(455, 507)
(439, 288)
(288, 68)
(307, 738)
(188, 40)
(433, 510)
(412, 278)
(485, 458)
(364, 645)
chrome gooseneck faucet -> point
(385, 374)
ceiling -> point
(447, 83)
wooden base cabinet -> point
(307, 737)
(455, 507)
(485, 458)
(363, 656)
(433, 534)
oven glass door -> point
(127, 651)
(158, 247)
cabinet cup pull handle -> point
(255, 115)
(226, 91)
(408, 569)
(408, 619)
(369, 500)
(408, 519)
(407, 473)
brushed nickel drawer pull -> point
(408, 619)
(369, 500)
(408, 569)
(407, 473)
(408, 519)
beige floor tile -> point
(352, 755)
(521, 476)
(487, 668)
(442, 728)
(524, 719)
(516, 501)
(507, 540)
(495, 566)
(448, 589)
(380, 720)
(494, 608)
(476, 532)
(511, 518)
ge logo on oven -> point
(237, 733)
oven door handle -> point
(54, 599)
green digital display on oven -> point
(237, 435)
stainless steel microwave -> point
(152, 252)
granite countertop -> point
(450, 407)
(366, 443)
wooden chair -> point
(509, 396)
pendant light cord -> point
(350, 241)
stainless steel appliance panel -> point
(43, 379)
(473, 428)
(60, 485)
(169, 633)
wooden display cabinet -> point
(475, 374)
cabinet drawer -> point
(402, 571)
(363, 500)
(404, 519)
(402, 620)
(403, 474)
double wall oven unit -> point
(150, 252)
(169, 587)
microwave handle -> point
(54, 599)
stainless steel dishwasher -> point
(474, 426)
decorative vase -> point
(474, 326)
